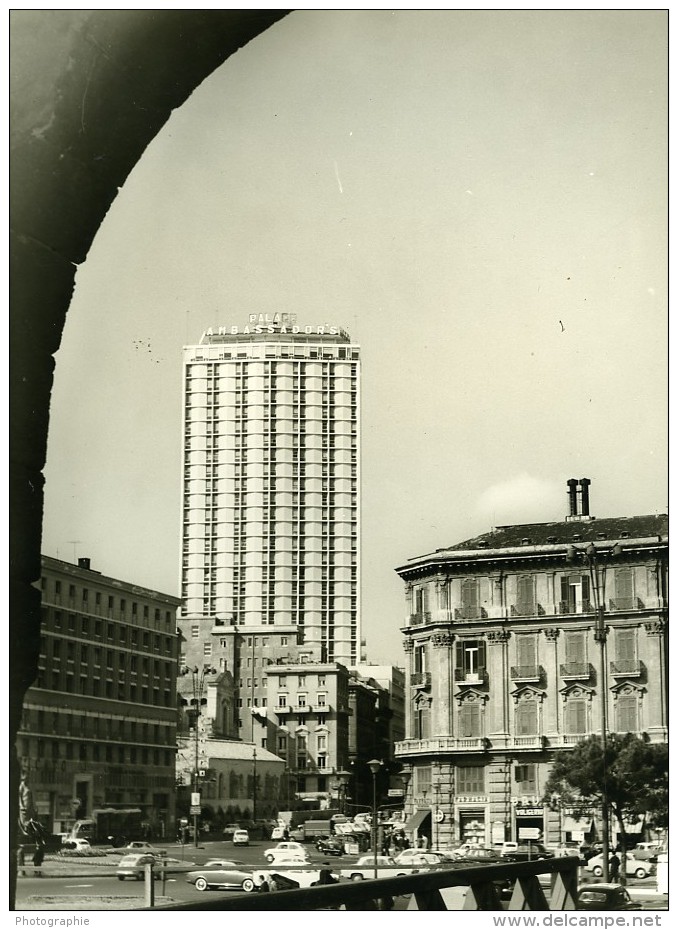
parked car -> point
(527, 852)
(223, 864)
(479, 855)
(605, 896)
(141, 846)
(637, 868)
(296, 878)
(418, 857)
(329, 846)
(288, 857)
(76, 844)
(278, 833)
(223, 878)
(134, 866)
(647, 851)
(230, 829)
(241, 838)
(386, 868)
(286, 846)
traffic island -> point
(92, 903)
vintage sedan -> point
(637, 868)
(281, 850)
(419, 857)
(142, 847)
(605, 896)
(134, 866)
(386, 868)
(222, 878)
(480, 855)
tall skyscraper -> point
(271, 478)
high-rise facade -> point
(271, 477)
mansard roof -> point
(527, 541)
(570, 531)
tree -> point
(632, 774)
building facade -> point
(307, 719)
(519, 643)
(241, 782)
(99, 723)
(271, 471)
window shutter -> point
(525, 595)
(460, 655)
(627, 714)
(470, 720)
(469, 593)
(623, 583)
(574, 647)
(526, 649)
(481, 655)
(585, 588)
(526, 722)
(625, 641)
(565, 589)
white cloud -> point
(523, 499)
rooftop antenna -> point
(74, 543)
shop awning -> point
(636, 827)
(572, 825)
(416, 820)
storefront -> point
(529, 822)
(472, 826)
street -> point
(91, 884)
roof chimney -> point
(84, 563)
(584, 484)
(578, 496)
(572, 496)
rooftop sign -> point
(275, 323)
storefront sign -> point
(529, 811)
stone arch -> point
(89, 91)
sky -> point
(478, 197)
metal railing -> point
(480, 887)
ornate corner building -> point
(519, 643)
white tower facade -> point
(271, 482)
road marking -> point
(79, 886)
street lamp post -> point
(436, 815)
(342, 784)
(424, 792)
(254, 785)
(374, 765)
(596, 563)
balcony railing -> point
(527, 610)
(566, 607)
(576, 670)
(525, 672)
(442, 744)
(419, 618)
(464, 677)
(625, 668)
(470, 613)
(478, 890)
(626, 603)
(421, 680)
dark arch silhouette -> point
(89, 90)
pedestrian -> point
(614, 864)
(21, 860)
